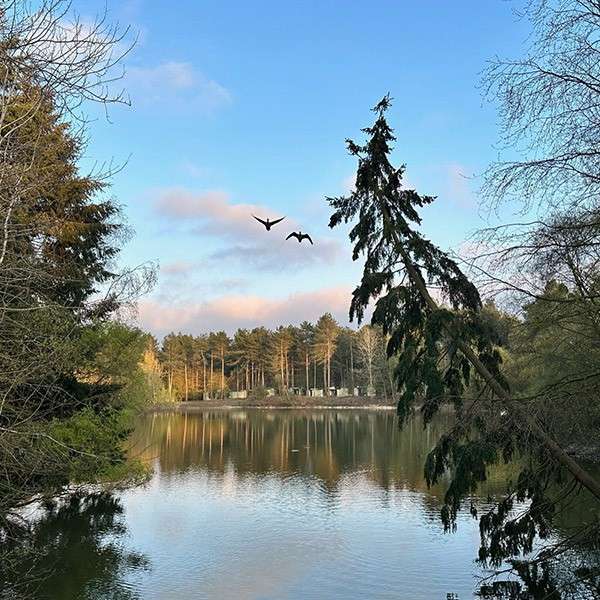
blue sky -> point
(243, 106)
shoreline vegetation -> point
(278, 402)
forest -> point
(288, 359)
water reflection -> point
(269, 505)
(73, 552)
(294, 504)
(327, 445)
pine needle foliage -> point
(399, 262)
(438, 330)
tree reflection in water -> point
(327, 445)
(330, 447)
(248, 501)
(72, 551)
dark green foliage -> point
(431, 370)
(430, 367)
(66, 233)
(67, 374)
(403, 271)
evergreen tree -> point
(444, 350)
(221, 342)
(65, 236)
(327, 331)
(306, 333)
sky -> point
(242, 108)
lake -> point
(268, 504)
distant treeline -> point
(322, 355)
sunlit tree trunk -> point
(306, 365)
(185, 379)
(212, 369)
(281, 367)
(222, 372)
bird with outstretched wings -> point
(268, 223)
(300, 236)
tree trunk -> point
(351, 366)
(185, 379)
(222, 373)
(306, 366)
(212, 364)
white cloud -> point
(178, 83)
(177, 268)
(192, 169)
(229, 312)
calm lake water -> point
(269, 504)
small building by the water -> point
(238, 395)
(342, 392)
(316, 392)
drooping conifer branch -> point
(386, 215)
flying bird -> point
(300, 236)
(268, 224)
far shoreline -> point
(279, 403)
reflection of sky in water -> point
(271, 526)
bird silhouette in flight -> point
(300, 236)
(268, 224)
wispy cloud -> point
(458, 184)
(177, 83)
(244, 240)
(229, 312)
(280, 254)
(178, 268)
(192, 169)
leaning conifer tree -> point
(448, 351)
